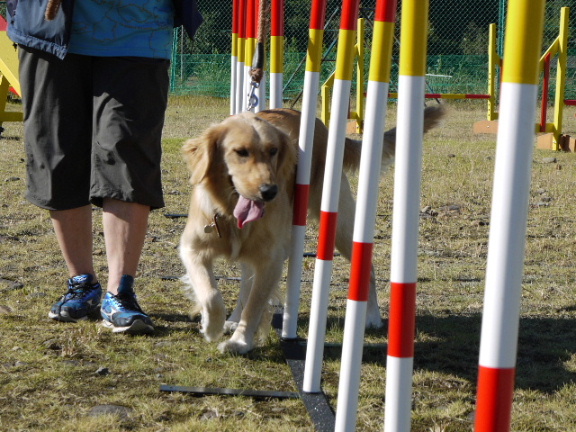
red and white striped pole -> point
(407, 187)
(515, 144)
(364, 222)
(330, 196)
(234, 57)
(302, 190)
(240, 94)
(277, 54)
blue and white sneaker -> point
(121, 312)
(81, 300)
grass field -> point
(56, 376)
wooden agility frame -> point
(9, 72)
(550, 133)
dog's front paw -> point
(210, 330)
(212, 326)
(234, 347)
(213, 316)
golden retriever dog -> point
(243, 176)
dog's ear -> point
(201, 153)
(287, 156)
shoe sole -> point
(137, 327)
(62, 318)
(65, 318)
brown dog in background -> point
(243, 176)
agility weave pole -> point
(240, 16)
(234, 56)
(330, 196)
(302, 187)
(358, 58)
(507, 238)
(365, 220)
(250, 47)
(276, 53)
(249, 84)
(257, 83)
(250, 27)
(406, 211)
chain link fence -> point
(457, 47)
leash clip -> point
(252, 98)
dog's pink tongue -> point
(248, 211)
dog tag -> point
(213, 226)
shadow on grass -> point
(172, 317)
(450, 345)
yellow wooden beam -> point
(9, 62)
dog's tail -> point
(432, 117)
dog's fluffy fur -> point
(240, 168)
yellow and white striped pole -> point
(330, 196)
(240, 94)
(302, 190)
(515, 144)
(234, 56)
(249, 48)
(407, 188)
(365, 219)
(277, 54)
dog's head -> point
(243, 154)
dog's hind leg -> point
(245, 287)
(344, 243)
(206, 294)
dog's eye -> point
(242, 152)
(273, 151)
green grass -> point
(48, 378)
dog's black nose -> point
(268, 191)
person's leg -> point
(125, 226)
(73, 230)
(130, 97)
(58, 142)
